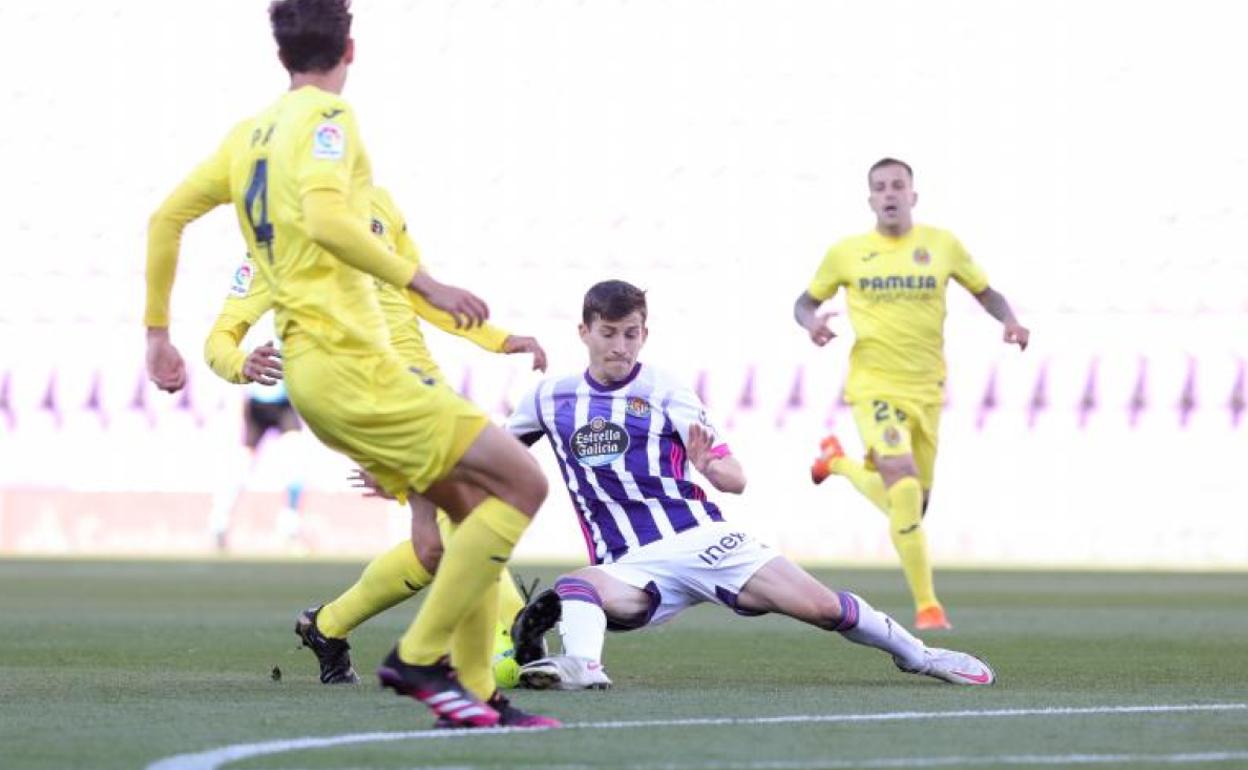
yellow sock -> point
(905, 526)
(868, 482)
(387, 580)
(510, 602)
(471, 563)
(472, 645)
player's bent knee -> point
(503, 467)
(428, 554)
(894, 469)
(540, 488)
(527, 487)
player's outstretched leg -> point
(333, 655)
(781, 586)
(953, 667)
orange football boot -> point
(932, 618)
(821, 468)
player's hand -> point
(820, 333)
(165, 366)
(699, 448)
(264, 365)
(466, 308)
(362, 479)
(517, 344)
(1017, 334)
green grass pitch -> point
(124, 664)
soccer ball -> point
(506, 669)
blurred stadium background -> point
(708, 151)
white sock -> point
(875, 629)
(583, 627)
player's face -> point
(613, 346)
(892, 198)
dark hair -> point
(612, 301)
(882, 162)
(311, 35)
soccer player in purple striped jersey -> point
(625, 435)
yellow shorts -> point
(412, 351)
(403, 427)
(891, 427)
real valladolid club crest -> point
(638, 407)
(922, 256)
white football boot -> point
(564, 672)
(952, 666)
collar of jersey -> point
(598, 386)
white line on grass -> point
(216, 758)
(1060, 760)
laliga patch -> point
(892, 436)
(637, 407)
(329, 142)
(377, 227)
(241, 283)
(599, 443)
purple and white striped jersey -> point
(621, 449)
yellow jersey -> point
(307, 140)
(895, 290)
(249, 298)
(205, 188)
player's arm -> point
(331, 153)
(523, 422)
(707, 452)
(806, 311)
(331, 224)
(998, 307)
(203, 190)
(822, 288)
(975, 280)
(715, 462)
(222, 348)
(486, 336)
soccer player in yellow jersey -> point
(408, 567)
(301, 193)
(895, 279)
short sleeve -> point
(829, 276)
(685, 409)
(524, 422)
(963, 268)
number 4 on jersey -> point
(257, 203)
